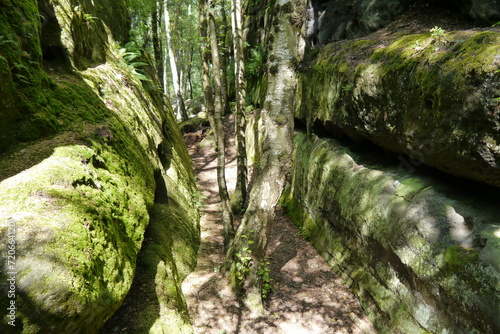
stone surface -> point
(430, 98)
(421, 254)
(484, 11)
(333, 20)
(87, 159)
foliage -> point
(129, 55)
(438, 36)
(3, 40)
(197, 197)
(146, 25)
(263, 271)
(244, 260)
(90, 18)
(255, 65)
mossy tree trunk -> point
(240, 192)
(250, 242)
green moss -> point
(194, 124)
(458, 256)
(388, 236)
(78, 177)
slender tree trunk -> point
(205, 61)
(224, 53)
(173, 64)
(164, 57)
(240, 192)
(215, 115)
(277, 120)
(188, 72)
(227, 216)
(157, 43)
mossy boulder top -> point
(430, 95)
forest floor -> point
(307, 298)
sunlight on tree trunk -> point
(240, 192)
(227, 216)
(214, 110)
(224, 58)
(173, 66)
(274, 164)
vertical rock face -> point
(422, 255)
(434, 102)
(484, 11)
(329, 21)
(334, 20)
(86, 155)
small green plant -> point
(347, 87)
(244, 259)
(496, 24)
(197, 197)
(90, 18)
(304, 232)
(18, 67)
(254, 66)
(263, 271)
(3, 40)
(129, 54)
(438, 36)
(416, 46)
(244, 262)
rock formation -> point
(89, 155)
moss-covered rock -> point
(194, 124)
(86, 155)
(432, 96)
(422, 256)
(155, 303)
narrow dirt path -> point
(308, 298)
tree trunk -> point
(224, 54)
(173, 64)
(188, 72)
(227, 216)
(215, 114)
(205, 61)
(240, 192)
(156, 42)
(164, 56)
(274, 164)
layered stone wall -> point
(429, 95)
(422, 254)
